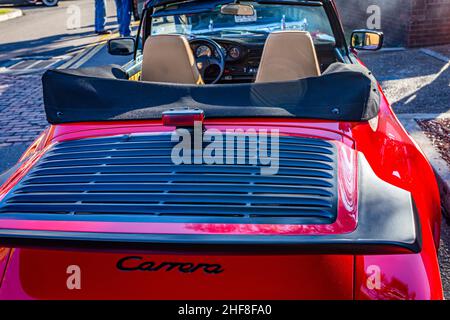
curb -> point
(15, 13)
(440, 166)
(435, 55)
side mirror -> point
(121, 46)
(236, 9)
(367, 40)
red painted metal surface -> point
(42, 274)
(401, 277)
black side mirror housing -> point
(367, 40)
(121, 46)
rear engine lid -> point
(134, 177)
(126, 189)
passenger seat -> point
(288, 55)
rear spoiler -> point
(388, 223)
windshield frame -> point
(193, 21)
(328, 5)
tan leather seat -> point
(169, 58)
(288, 55)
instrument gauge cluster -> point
(234, 52)
(202, 51)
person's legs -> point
(126, 18)
(100, 15)
(119, 13)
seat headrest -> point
(288, 55)
(169, 58)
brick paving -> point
(22, 116)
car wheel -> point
(50, 3)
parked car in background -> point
(47, 3)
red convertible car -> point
(244, 153)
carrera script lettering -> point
(137, 263)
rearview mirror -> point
(121, 46)
(236, 9)
(367, 40)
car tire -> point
(50, 3)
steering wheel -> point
(207, 64)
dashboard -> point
(233, 52)
(243, 55)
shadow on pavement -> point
(109, 25)
(399, 65)
(433, 97)
(412, 81)
(46, 45)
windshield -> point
(267, 18)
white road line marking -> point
(29, 63)
(29, 67)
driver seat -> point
(288, 55)
(169, 58)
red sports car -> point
(243, 153)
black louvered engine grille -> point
(132, 177)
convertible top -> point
(343, 92)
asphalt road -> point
(419, 87)
(52, 31)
